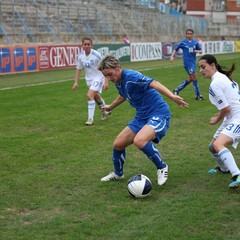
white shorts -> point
(231, 130)
(96, 84)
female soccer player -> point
(225, 95)
(89, 60)
(190, 48)
(152, 116)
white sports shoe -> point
(105, 115)
(111, 176)
(89, 122)
(162, 175)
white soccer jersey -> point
(90, 64)
(222, 93)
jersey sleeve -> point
(143, 82)
(216, 91)
(79, 62)
(179, 45)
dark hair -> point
(189, 30)
(210, 59)
(87, 39)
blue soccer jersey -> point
(134, 87)
(188, 48)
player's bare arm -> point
(219, 116)
(172, 56)
(75, 85)
(166, 92)
(119, 100)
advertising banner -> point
(120, 51)
(57, 56)
(167, 49)
(146, 51)
(5, 60)
(18, 59)
(237, 46)
(218, 47)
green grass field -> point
(51, 165)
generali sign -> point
(59, 56)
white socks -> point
(228, 160)
(91, 109)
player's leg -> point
(97, 86)
(124, 139)
(193, 78)
(91, 106)
(183, 84)
(221, 167)
(154, 130)
(101, 102)
(181, 87)
(220, 146)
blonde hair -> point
(108, 61)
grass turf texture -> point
(51, 165)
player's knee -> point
(138, 142)
(90, 96)
(211, 148)
(118, 145)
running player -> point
(190, 48)
(89, 60)
(152, 116)
(225, 95)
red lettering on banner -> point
(31, 60)
(19, 61)
(5, 62)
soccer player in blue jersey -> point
(152, 116)
(190, 48)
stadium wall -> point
(18, 59)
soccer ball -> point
(139, 186)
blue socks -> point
(153, 154)
(118, 161)
(149, 149)
(182, 85)
(196, 87)
(185, 83)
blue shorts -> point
(190, 69)
(159, 123)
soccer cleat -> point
(235, 183)
(175, 92)
(105, 115)
(162, 175)
(111, 176)
(217, 170)
(199, 98)
(89, 122)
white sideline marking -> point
(34, 84)
(66, 80)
